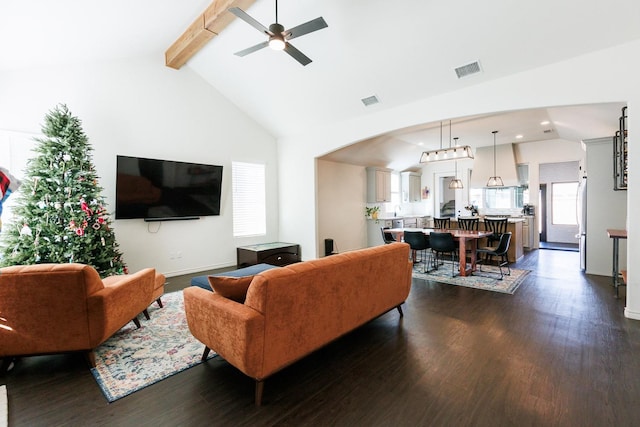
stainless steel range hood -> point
(505, 166)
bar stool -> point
(442, 223)
(498, 226)
(468, 223)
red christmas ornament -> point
(85, 208)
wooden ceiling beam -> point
(206, 26)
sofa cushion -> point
(231, 284)
(234, 288)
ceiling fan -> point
(278, 36)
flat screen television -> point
(157, 190)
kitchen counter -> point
(511, 220)
(391, 218)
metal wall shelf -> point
(620, 165)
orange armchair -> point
(58, 308)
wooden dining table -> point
(461, 236)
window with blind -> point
(249, 199)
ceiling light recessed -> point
(519, 136)
(545, 122)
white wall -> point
(341, 200)
(606, 208)
(142, 108)
(585, 79)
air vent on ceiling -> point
(548, 131)
(370, 100)
(468, 69)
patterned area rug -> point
(136, 358)
(487, 279)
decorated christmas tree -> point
(60, 215)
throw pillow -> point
(234, 288)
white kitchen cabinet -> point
(528, 230)
(411, 183)
(424, 222)
(410, 222)
(378, 185)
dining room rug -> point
(487, 279)
(133, 358)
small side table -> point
(616, 235)
(275, 253)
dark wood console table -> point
(275, 253)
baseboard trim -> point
(198, 269)
(635, 315)
(4, 407)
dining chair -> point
(441, 244)
(468, 223)
(441, 223)
(497, 226)
(418, 241)
(499, 251)
(387, 237)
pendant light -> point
(446, 153)
(455, 184)
(495, 180)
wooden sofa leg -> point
(400, 311)
(7, 364)
(205, 354)
(146, 314)
(91, 358)
(159, 301)
(259, 390)
(137, 322)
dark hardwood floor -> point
(557, 353)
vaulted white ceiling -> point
(401, 51)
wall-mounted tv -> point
(157, 190)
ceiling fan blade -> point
(252, 49)
(306, 28)
(249, 20)
(296, 54)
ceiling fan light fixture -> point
(276, 43)
(279, 37)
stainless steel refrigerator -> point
(581, 211)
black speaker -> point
(328, 247)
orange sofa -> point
(292, 311)
(57, 308)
